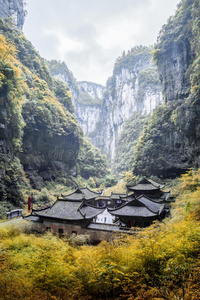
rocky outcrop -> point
(86, 98)
(88, 109)
(171, 142)
(93, 89)
(14, 9)
(173, 73)
(101, 112)
(134, 87)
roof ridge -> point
(133, 194)
(72, 193)
(147, 206)
(79, 209)
(117, 208)
(90, 190)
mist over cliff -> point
(146, 118)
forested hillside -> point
(42, 144)
(170, 144)
(127, 141)
(43, 153)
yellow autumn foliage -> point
(158, 262)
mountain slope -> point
(170, 144)
(40, 139)
(102, 111)
(133, 87)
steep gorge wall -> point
(14, 9)
(86, 98)
(39, 137)
(134, 87)
(41, 143)
(102, 111)
(171, 142)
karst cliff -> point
(102, 111)
(14, 9)
(170, 144)
(41, 142)
(146, 118)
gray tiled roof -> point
(77, 195)
(62, 209)
(117, 196)
(128, 198)
(90, 211)
(103, 227)
(32, 218)
(156, 183)
(69, 210)
(82, 194)
(145, 185)
(163, 196)
(153, 206)
(89, 194)
(133, 211)
(139, 207)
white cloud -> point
(65, 43)
(90, 34)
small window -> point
(74, 232)
(48, 228)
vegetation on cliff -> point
(161, 261)
(40, 137)
(94, 166)
(170, 142)
(137, 55)
(127, 141)
(60, 70)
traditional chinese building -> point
(139, 211)
(88, 212)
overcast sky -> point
(89, 35)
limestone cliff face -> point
(14, 9)
(171, 142)
(86, 98)
(174, 78)
(101, 112)
(93, 89)
(45, 152)
(134, 87)
(89, 109)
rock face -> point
(134, 87)
(93, 89)
(174, 78)
(86, 97)
(101, 112)
(45, 153)
(88, 107)
(14, 9)
(171, 142)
